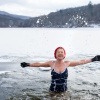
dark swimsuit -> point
(59, 81)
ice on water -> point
(32, 45)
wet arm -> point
(37, 64)
(80, 62)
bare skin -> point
(59, 65)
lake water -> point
(42, 42)
(38, 44)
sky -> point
(35, 8)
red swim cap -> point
(57, 49)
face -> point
(60, 54)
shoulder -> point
(50, 62)
(67, 63)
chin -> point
(60, 58)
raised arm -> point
(36, 64)
(85, 61)
(80, 62)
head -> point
(59, 53)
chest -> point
(59, 67)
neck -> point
(59, 61)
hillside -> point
(73, 17)
(83, 16)
(11, 20)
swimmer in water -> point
(59, 72)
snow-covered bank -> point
(94, 25)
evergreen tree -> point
(90, 11)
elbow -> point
(73, 65)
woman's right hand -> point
(24, 64)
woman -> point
(59, 72)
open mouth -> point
(60, 56)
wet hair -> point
(57, 49)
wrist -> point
(92, 60)
(28, 64)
